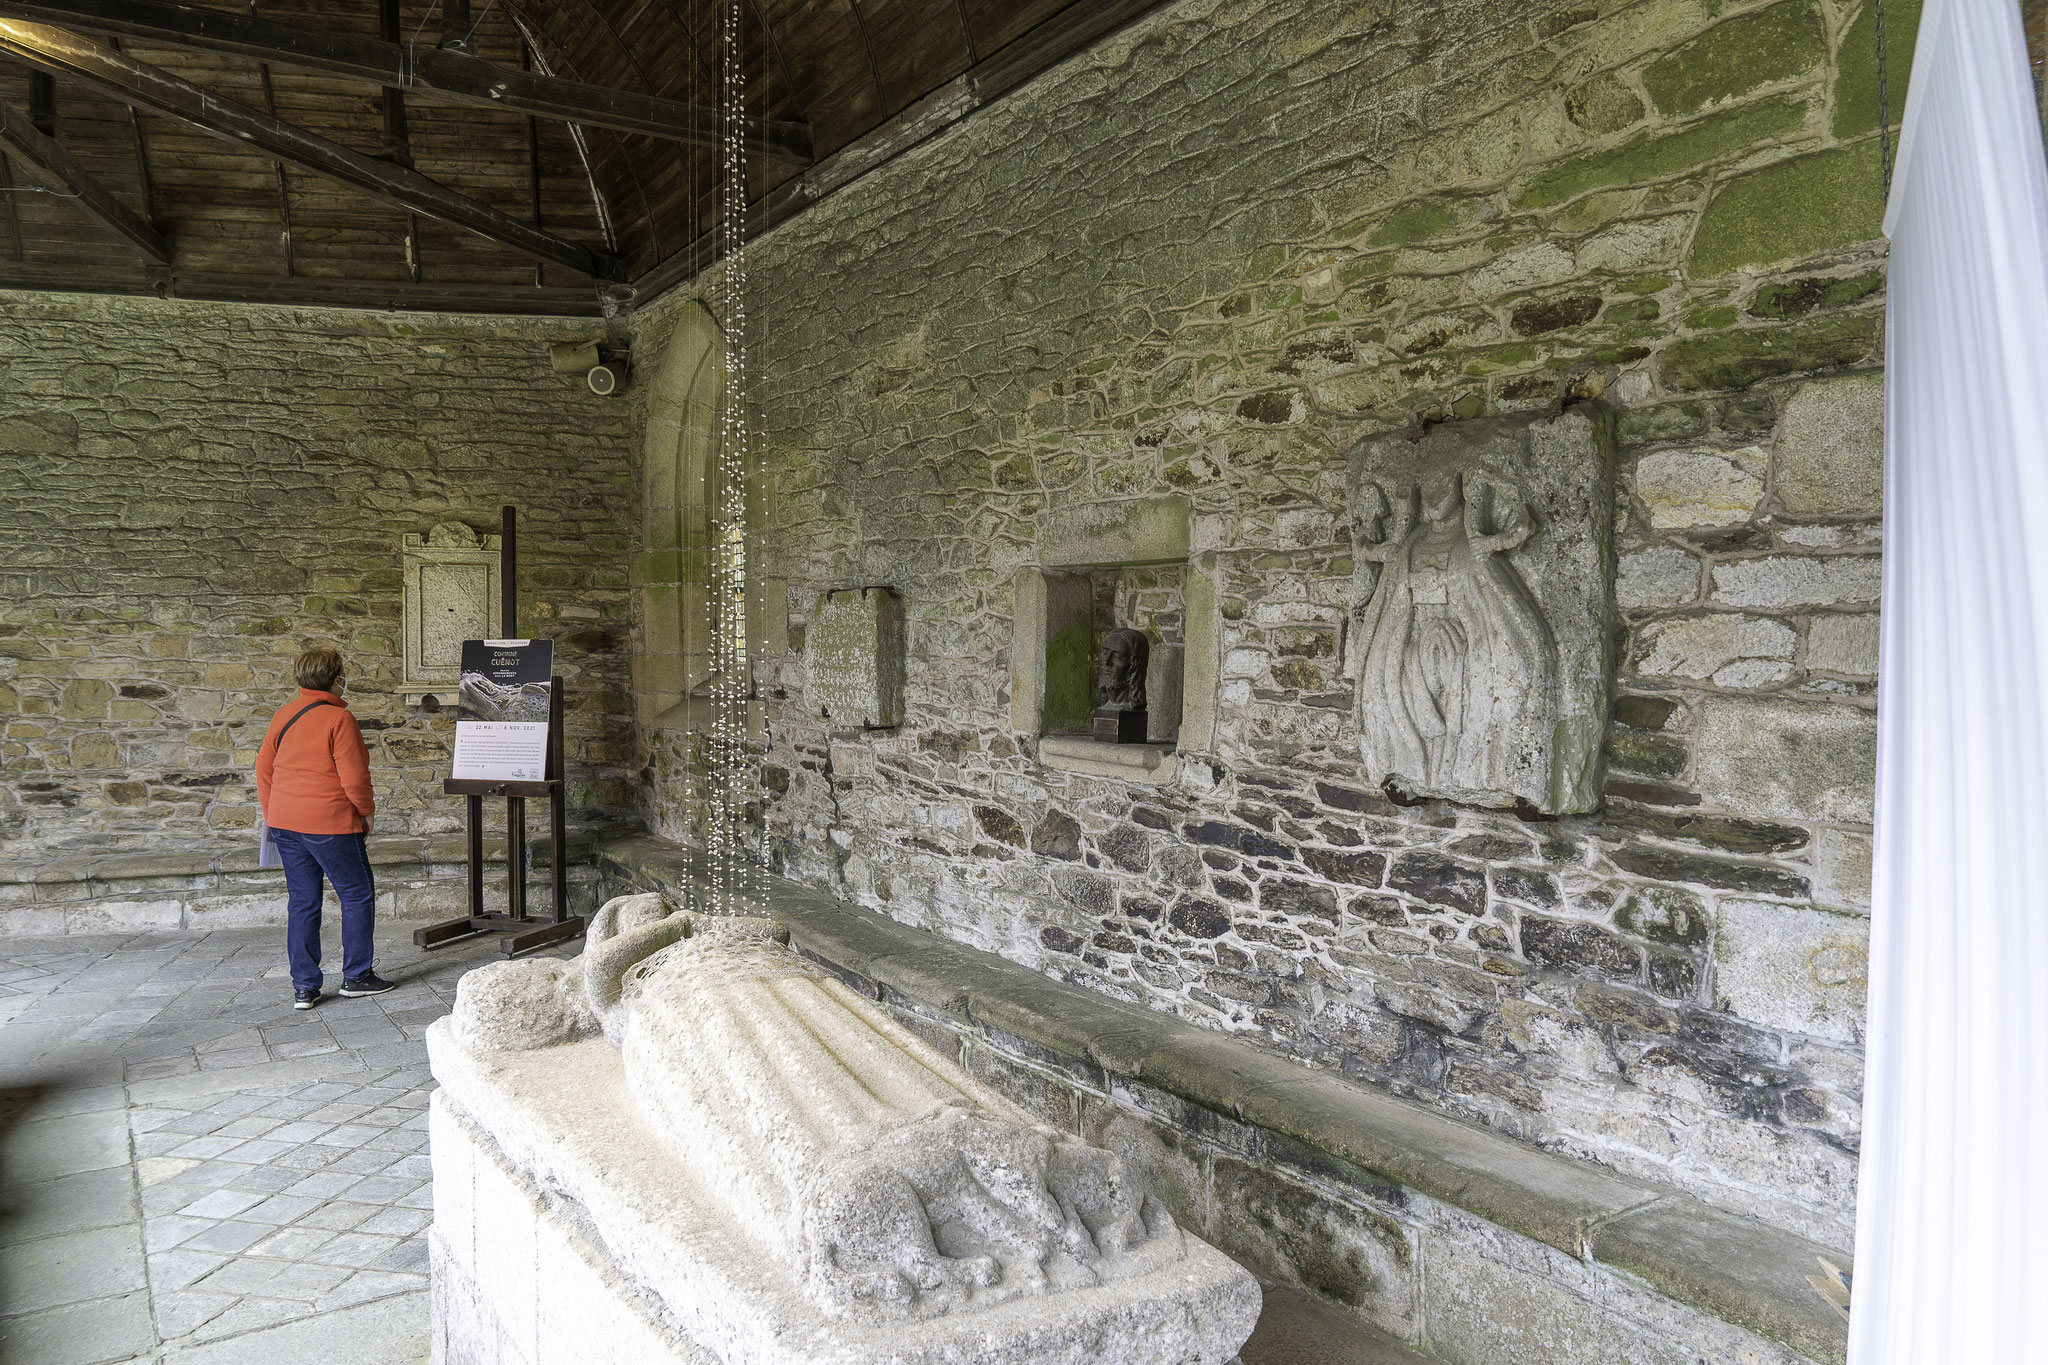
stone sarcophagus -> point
(692, 1145)
(1481, 608)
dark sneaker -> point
(369, 984)
(305, 999)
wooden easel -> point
(522, 931)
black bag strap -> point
(279, 746)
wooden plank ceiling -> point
(243, 227)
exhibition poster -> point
(502, 732)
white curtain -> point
(1952, 1209)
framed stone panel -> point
(452, 594)
(853, 659)
(1481, 608)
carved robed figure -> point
(1481, 607)
(1458, 662)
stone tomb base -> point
(566, 1234)
(519, 1279)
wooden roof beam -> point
(140, 85)
(429, 72)
(47, 161)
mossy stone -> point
(1498, 358)
(1644, 284)
(1791, 209)
(1602, 105)
(1654, 156)
(1427, 218)
(1856, 66)
(1644, 713)
(1070, 678)
(1705, 319)
(1534, 317)
(1653, 754)
(1748, 414)
(1664, 914)
(1665, 422)
(1366, 268)
(1735, 360)
(1642, 310)
(1796, 298)
(1746, 53)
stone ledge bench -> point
(220, 887)
(1464, 1242)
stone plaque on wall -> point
(853, 658)
(451, 595)
(1481, 608)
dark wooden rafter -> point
(46, 160)
(397, 138)
(17, 248)
(606, 222)
(428, 72)
(284, 187)
(540, 276)
(142, 175)
(966, 31)
(782, 62)
(534, 30)
(867, 44)
(457, 32)
(143, 86)
(282, 176)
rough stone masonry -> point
(195, 493)
(1205, 259)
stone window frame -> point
(1073, 543)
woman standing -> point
(313, 779)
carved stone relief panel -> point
(451, 595)
(853, 658)
(1480, 608)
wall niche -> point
(1102, 567)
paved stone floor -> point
(193, 1173)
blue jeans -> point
(345, 862)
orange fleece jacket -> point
(321, 785)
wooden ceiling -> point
(244, 226)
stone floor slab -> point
(387, 1331)
(97, 1330)
(71, 1268)
(71, 1203)
(46, 1148)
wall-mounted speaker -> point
(606, 380)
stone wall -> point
(192, 494)
(1204, 259)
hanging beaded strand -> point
(727, 755)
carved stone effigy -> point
(1481, 609)
(726, 1154)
